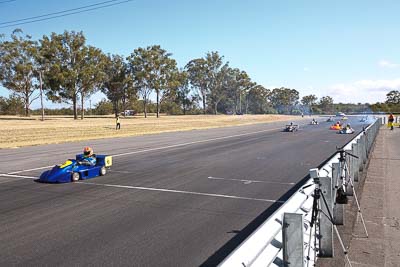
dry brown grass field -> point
(20, 131)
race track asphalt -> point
(173, 199)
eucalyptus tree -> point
(197, 72)
(13, 105)
(308, 102)
(246, 91)
(183, 90)
(69, 59)
(116, 79)
(153, 69)
(284, 99)
(18, 65)
(244, 84)
(257, 99)
(240, 84)
(326, 104)
(92, 74)
(221, 82)
(393, 97)
(217, 78)
(203, 73)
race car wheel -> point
(103, 171)
(75, 177)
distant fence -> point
(297, 243)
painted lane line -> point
(165, 147)
(193, 143)
(181, 192)
(34, 169)
(249, 181)
(18, 176)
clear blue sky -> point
(346, 49)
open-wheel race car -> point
(76, 169)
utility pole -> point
(41, 93)
(90, 106)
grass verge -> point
(19, 132)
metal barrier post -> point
(292, 240)
(364, 148)
(338, 209)
(359, 155)
(326, 226)
(352, 163)
(368, 135)
(354, 167)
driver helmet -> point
(348, 125)
(87, 152)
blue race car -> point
(73, 170)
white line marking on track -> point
(166, 147)
(18, 176)
(248, 181)
(34, 169)
(194, 142)
(181, 192)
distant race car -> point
(314, 122)
(291, 127)
(73, 170)
(346, 131)
(340, 114)
(335, 127)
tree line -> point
(65, 69)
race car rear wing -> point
(102, 160)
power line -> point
(7, 1)
(85, 9)
(55, 13)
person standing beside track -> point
(118, 123)
(390, 121)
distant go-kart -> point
(336, 127)
(291, 127)
(346, 131)
(73, 170)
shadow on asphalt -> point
(235, 241)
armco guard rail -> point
(271, 244)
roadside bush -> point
(13, 105)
